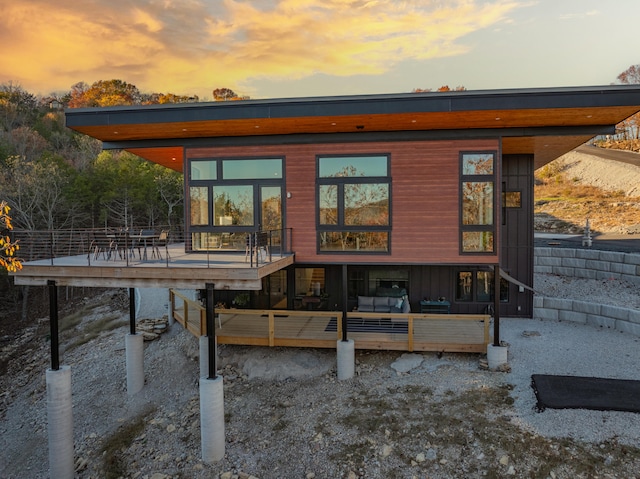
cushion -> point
(365, 303)
(382, 304)
(398, 304)
(395, 309)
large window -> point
(230, 197)
(477, 202)
(354, 204)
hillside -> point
(579, 186)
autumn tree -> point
(103, 93)
(226, 94)
(8, 248)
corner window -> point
(353, 197)
(477, 202)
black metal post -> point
(211, 332)
(496, 305)
(345, 300)
(132, 310)
(53, 324)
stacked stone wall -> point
(589, 264)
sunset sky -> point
(290, 48)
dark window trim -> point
(492, 228)
(340, 181)
(256, 183)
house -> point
(422, 197)
(420, 191)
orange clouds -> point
(193, 46)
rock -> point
(386, 450)
(504, 460)
(407, 362)
(432, 454)
(420, 457)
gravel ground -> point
(446, 417)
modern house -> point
(419, 196)
(388, 204)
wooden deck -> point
(322, 329)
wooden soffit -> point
(543, 122)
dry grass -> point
(564, 205)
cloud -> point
(580, 15)
(193, 46)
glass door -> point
(271, 213)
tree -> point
(104, 93)
(226, 94)
(8, 248)
(631, 76)
(17, 107)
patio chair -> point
(161, 242)
(102, 245)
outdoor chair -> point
(161, 242)
(102, 245)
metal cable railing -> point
(126, 247)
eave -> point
(544, 122)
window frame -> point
(341, 226)
(490, 228)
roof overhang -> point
(546, 122)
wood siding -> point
(425, 198)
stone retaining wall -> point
(590, 264)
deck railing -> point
(131, 247)
(322, 329)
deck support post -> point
(59, 407)
(346, 347)
(134, 350)
(497, 354)
(211, 392)
(346, 359)
(345, 299)
(496, 305)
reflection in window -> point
(361, 241)
(481, 290)
(204, 170)
(233, 205)
(366, 204)
(199, 205)
(353, 166)
(271, 214)
(477, 203)
(354, 204)
(328, 204)
(477, 164)
(464, 285)
(251, 169)
(486, 287)
(512, 199)
(477, 241)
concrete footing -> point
(134, 350)
(212, 419)
(497, 356)
(346, 359)
(60, 423)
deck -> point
(322, 329)
(171, 268)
